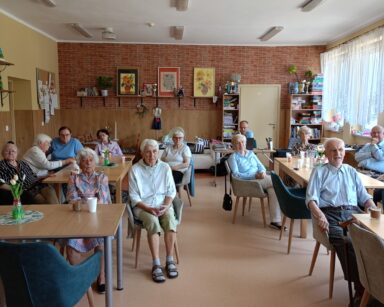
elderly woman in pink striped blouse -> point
(88, 183)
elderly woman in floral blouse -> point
(304, 145)
(88, 183)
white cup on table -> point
(289, 157)
(92, 204)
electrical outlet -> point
(6, 128)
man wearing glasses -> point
(65, 146)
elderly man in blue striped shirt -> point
(333, 194)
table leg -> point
(108, 271)
(57, 187)
(119, 253)
(119, 198)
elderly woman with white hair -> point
(37, 160)
(304, 145)
(151, 190)
(245, 165)
(177, 155)
(88, 183)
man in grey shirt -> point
(333, 194)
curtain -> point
(354, 79)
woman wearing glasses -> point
(304, 145)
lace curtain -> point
(354, 79)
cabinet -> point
(231, 112)
(306, 109)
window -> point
(354, 81)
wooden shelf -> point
(119, 97)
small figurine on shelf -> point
(154, 89)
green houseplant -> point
(292, 69)
(104, 83)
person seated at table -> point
(177, 155)
(304, 135)
(151, 191)
(37, 160)
(106, 143)
(245, 165)
(333, 194)
(88, 183)
(244, 129)
(34, 192)
(65, 146)
(371, 156)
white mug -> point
(92, 204)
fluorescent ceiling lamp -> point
(271, 33)
(310, 5)
(182, 5)
(50, 3)
(108, 34)
(177, 32)
(83, 31)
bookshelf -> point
(231, 112)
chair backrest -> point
(186, 176)
(320, 236)
(291, 205)
(36, 274)
(244, 188)
(369, 250)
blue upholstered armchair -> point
(35, 274)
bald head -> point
(377, 133)
(335, 151)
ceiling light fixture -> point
(83, 31)
(108, 34)
(271, 33)
(177, 32)
(50, 3)
(182, 5)
(310, 5)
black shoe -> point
(100, 288)
(277, 226)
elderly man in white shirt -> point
(151, 190)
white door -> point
(260, 106)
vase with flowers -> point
(320, 153)
(16, 186)
(106, 157)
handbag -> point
(227, 201)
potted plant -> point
(293, 86)
(104, 83)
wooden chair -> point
(369, 250)
(322, 239)
(246, 189)
(292, 205)
(135, 226)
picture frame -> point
(127, 81)
(46, 93)
(203, 82)
(148, 89)
(168, 80)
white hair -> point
(178, 131)
(86, 152)
(41, 138)
(238, 137)
(148, 142)
(331, 140)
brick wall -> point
(80, 64)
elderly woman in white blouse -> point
(177, 155)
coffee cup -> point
(76, 206)
(289, 157)
(302, 155)
(92, 204)
(375, 213)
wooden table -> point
(60, 221)
(374, 225)
(115, 175)
(301, 176)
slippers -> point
(157, 274)
(171, 269)
(277, 226)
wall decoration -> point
(46, 93)
(148, 89)
(127, 81)
(168, 80)
(203, 82)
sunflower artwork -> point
(204, 82)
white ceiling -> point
(208, 22)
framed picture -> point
(148, 89)
(203, 82)
(127, 81)
(168, 80)
(46, 93)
